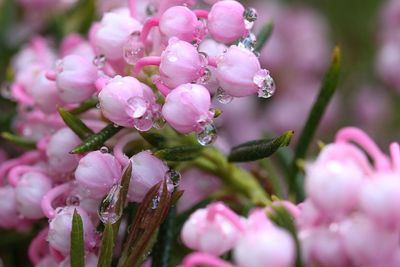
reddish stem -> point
(148, 25)
(49, 197)
(200, 258)
(146, 61)
(16, 172)
(201, 14)
(36, 248)
(220, 209)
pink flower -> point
(8, 208)
(186, 108)
(45, 94)
(30, 189)
(226, 22)
(127, 102)
(75, 78)
(97, 172)
(91, 260)
(147, 171)
(60, 229)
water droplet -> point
(151, 9)
(72, 200)
(173, 178)
(133, 49)
(208, 135)
(159, 121)
(205, 77)
(203, 59)
(155, 202)
(265, 83)
(137, 106)
(99, 61)
(250, 16)
(98, 105)
(115, 125)
(145, 122)
(104, 149)
(6, 90)
(248, 42)
(223, 97)
(201, 30)
(108, 211)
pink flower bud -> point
(97, 172)
(75, 78)
(58, 148)
(215, 230)
(366, 242)
(236, 71)
(47, 261)
(127, 102)
(60, 229)
(186, 108)
(30, 189)
(114, 31)
(180, 63)
(226, 22)
(8, 208)
(45, 94)
(265, 246)
(147, 171)
(180, 22)
(378, 198)
(90, 261)
(333, 186)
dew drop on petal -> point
(265, 83)
(223, 97)
(250, 16)
(145, 122)
(104, 149)
(248, 42)
(208, 135)
(159, 121)
(109, 212)
(133, 49)
(99, 61)
(205, 77)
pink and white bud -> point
(214, 230)
(30, 189)
(97, 172)
(265, 246)
(179, 22)
(378, 198)
(236, 71)
(147, 171)
(91, 260)
(8, 208)
(366, 242)
(333, 187)
(180, 63)
(75, 78)
(45, 94)
(58, 148)
(114, 31)
(187, 107)
(127, 102)
(47, 261)
(60, 227)
(225, 21)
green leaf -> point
(259, 149)
(18, 140)
(263, 35)
(180, 153)
(75, 124)
(155, 139)
(328, 88)
(107, 246)
(96, 141)
(77, 253)
(84, 106)
(282, 218)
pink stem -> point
(57, 255)
(201, 14)
(119, 148)
(381, 161)
(50, 75)
(220, 209)
(18, 92)
(200, 258)
(132, 8)
(49, 197)
(395, 155)
(164, 90)
(27, 158)
(212, 61)
(146, 61)
(36, 248)
(148, 25)
(16, 172)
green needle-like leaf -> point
(77, 253)
(75, 124)
(263, 35)
(155, 139)
(181, 153)
(259, 149)
(97, 140)
(18, 140)
(107, 246)
(326, 92)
